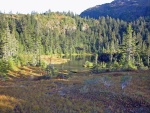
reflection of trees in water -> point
(75, 63)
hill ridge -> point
(127, 10)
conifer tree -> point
(10, 44)
(128, 46)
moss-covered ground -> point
(83, 92)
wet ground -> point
(82, 92)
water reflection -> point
(75, 63)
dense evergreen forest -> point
(116, 42)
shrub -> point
(17, 61)
(23, 60)
(3, 69)
(88, 64)
(51, 70)
(116, 66)
(143, 68)
(34, 60)
(99, 69)
(12, 65)
(3, 66)
(3, 76)
(43, 64)
(129, 67)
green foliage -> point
(12, 64)
(99, 69)
(23, 60)
(3, 76)
(129, 66)
(116, 66)
(43, 64)
(51, 71)
(16, 60)
(3, 69)
(27, 59)
(143, 68)
(88, 64)
(34, 60)
(3, 66)
(103, 64)
(29, 36)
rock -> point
(45, 77)
(17, 109)
(62, 76)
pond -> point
(75, 63)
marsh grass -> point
(78, 94)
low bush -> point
(22, 59)
(88, 64)
(143, 68)
(3, 69)
(43, 64)
(51, 71)
(12, 65)
(3, 66)
(129, 67)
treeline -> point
(66, 33)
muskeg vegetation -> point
(81, 93)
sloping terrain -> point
(81, 93)
(127, 10)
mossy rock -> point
(62, 76)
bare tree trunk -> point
(96, 58)
(148, 60)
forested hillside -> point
(127, 10)
(66, 33)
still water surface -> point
(75, 63)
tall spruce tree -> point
(9, 44)
(128, 48)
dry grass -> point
(66, 96)
(26, 72)
(7, 103)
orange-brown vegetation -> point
(26, 72)
(75, 95)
